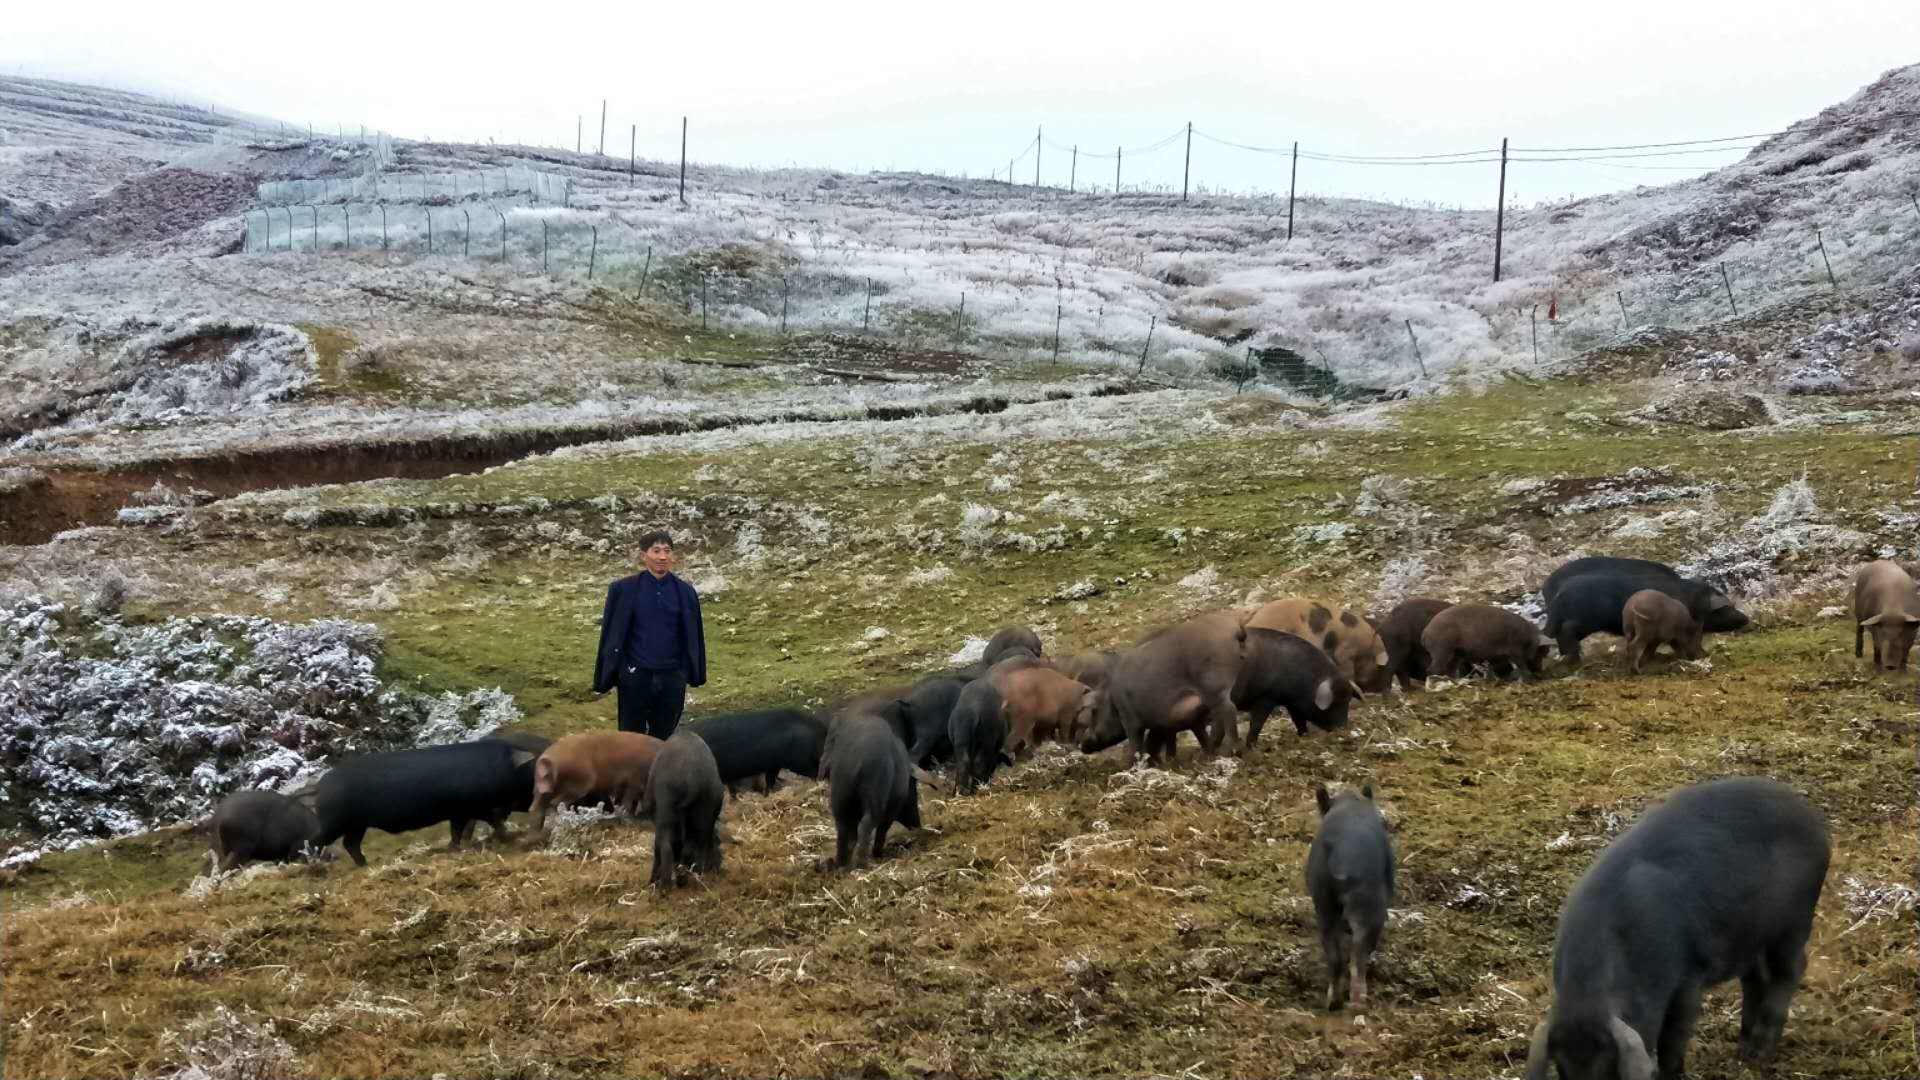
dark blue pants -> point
(651, 701)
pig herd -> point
(1718, 882)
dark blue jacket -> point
(621, 597)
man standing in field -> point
(652, 645)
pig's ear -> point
(1323, 694)
(919, 774)
(1719, 601)
(1321, 797)
(1355, 687)
(521, 757)
(1366, 792)
(1910, 618)
(1006, 759)
(1635, 1062)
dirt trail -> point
(75, 497)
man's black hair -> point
(657, 536)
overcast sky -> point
(961, 88)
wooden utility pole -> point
(1073, 171)
(1293, 178)
(1036, 157)
(633, 151)
(683, 161)
(1728, 282)
(1187, 171)
(603, 132)
(1821, 240)
(1500, 211)
(1116, 171)
(579, 126)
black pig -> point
(1718, 882)
(263, 825)
(1282, 671)
(402, 790)
(1586, 596)
(762, 743)
(684, 793)
(978, 730)
(1350, 877)
(871, 785)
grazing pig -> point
(1467, 634)
(401, 790)
(1718, 882)
(978, 729)
(263, 825)
(1348, 638)
(683, 796)
(1011, 641)
(1089, 668)
(592, 764)
(1885, 602)
(1400, 631)
(1179, 679)
(1284, 672)
(746, 745)
(1350, 877)
(925, 710)
(1652, 619)
(871, 785)
(1587, 596)
(1040, 703)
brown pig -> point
(614, 764)
(1652, 619)
(1041, 703)
(1885, 602)
(1089, 667)
(1481, 633)
(1348, 638)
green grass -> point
(1074, 918)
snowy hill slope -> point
(1205, 278)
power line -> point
(1639, 146)
(1637, 157)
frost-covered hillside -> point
(1211, 274)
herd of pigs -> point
(1718, 881)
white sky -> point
(961, 87)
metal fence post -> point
(1625, 322)
(288, 210)
(646, 271)
(1151, 323)
(1728, 282)
(543, 247)
(959, 318)
(783, 305)
(704, 279)
(503, 233)
(1818, 239)
(593, 254)
(866, 319)
(1418, 359)
(383, 226)
(346, 226)
(429, 211)
(466, 233)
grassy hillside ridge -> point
(1078, 916)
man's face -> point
(659, 559)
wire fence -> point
(523, 219)
(375, 186)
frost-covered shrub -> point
(1749, 561)
(259, 363)
(108, 729)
